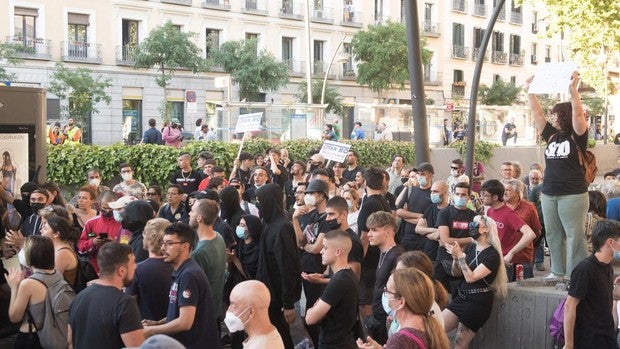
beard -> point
(127, 281)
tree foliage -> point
(500, 93)
(81, 90)
(592, 25)
(252, 70)
(595, 105)
(332, 96)
(167, 48)
(382, 55)
(9, 55)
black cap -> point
(424, 167)
(28, 187)
(318, 186)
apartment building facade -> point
(102, 36)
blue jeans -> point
(539, 252)
(565, 217)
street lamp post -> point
(329, 67)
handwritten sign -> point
(335, 151)
(552, 78)
(248, 122)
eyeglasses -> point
(454, 168)
(299, 192)
(167, 244)
(385, 291)
(151, 194)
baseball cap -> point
(122, 202)
(424, 167)
(176, 121)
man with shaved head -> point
(427, 225)
(186, 177)
(248, 311)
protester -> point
(128, 186)
(352, 167)
(117, 323)
(186, 177)
(63, 236)
(564, 193)
(84, 211)
(174, 210)
(415, 203)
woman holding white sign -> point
(565, 190)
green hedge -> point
(153, 164)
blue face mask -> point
(385, 302)
(117, 216)
(435, 198)
(240, 231)
(394, 327)
(422, 181)
(460, 201)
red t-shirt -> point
(527, 211)
(98, 225)
(508, 225)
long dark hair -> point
(564, 112)
(255, 227)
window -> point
(132, 121)
(458, 76)
(496, 77)
(428, 11)
(498, 41)
(514, 7)
(212, 41)
(25, 31)
(347, 66)
(318, 56)
(513, 80)
(378, 11)
(534, 59)
(130, 39)
(251, 36)
(478, 35)
(78, 35)
(458, 40)
(515, 44)
(547, 53)
(287, 51)
(534, 22)
(178, 111)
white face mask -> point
(95, 182)
(127, 176)
(309, 200)
(21, 256)
(350, 203)
(233, 322)
(454, 173)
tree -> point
(332, 96)
(592, 25)
(382, 55)
(168, 49)
(9, 53)
(252, 70)
(595, 105)
(81, 90)
(500, 93)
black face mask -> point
(36, 207)
(107, 214)
(474, 230)
(404, 180)
(132, 226)
(332, 224)
(313, 167)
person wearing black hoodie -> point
(278, 264)
(135, 216)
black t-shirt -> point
(510, 126)
(191, 288)
(387, 262)
(357, 251)
(312, 224)
(281, 178)
(563, 173)
(591, 282)
(349, 176)
(431, 246)
(489, 257)
(188, 181)
(100, 314)
(341, 293)
(151, 285)
(23, 208)
(371, 204)
(457, 222)
(419, 199)
(244, 176)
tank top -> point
(70, 274)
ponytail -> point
(436, 333)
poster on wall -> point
(14, 151)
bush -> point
(153, 164)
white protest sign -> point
(248, 122)
(335, 151)
(552, 78)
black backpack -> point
(85, 272)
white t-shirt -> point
(271, 340)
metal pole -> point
(416, 81)
(605, 110)
(471, 120)
(329, 67)
(308, 55)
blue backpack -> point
(556, 323)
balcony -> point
(516, 59)
(480, 10)
(458, 90)
(291, 10)
(126, 55)
(516, 17)
(348, 71)
(83, 52)
(319, 67)
(351, 18)
(547, 59)
(460, 52)
(502, 15)
(222, 5)
(178, 2)
(430, 29)
(32, 48)
(254, 7)
(295, 68)
(474, 56)
(322, 15)
(499, 57)
(432, 79)
(459, 6)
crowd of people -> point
(393, 257)
(68, 134)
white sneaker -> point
(552, 276)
